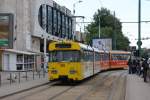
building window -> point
(59, 24)
(40, 16)
(63, 26)
(70, 28)
(55, 21)
(49, 20)
(67, 26)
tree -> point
(109, 25)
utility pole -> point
(74, 28)
(139, 42)
(114, 33)
(99, 26)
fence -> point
(11, 77)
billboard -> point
(102, 44)
(6, 29)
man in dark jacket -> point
(145, 68)
(130, 64)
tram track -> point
(117, 92)
(100, 83)
(59, 91)
(43, 88)
(83, 94)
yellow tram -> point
(72, 61)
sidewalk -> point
(6, 90)
(136, 89)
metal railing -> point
(11, 77)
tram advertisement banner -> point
(5, 31)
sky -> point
(125, 10)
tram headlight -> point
(73, 71)
(54, 71)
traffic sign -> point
(139, 43)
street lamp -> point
(75, 5)
(75, 17)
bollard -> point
(19, 77)
(39, 74)
(33, 75)
(43, 72)
(10, 78)
(26, 76)
(0, 80)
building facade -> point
(23, 26)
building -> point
(24, 25)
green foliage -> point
(109, 25)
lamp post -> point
(74, 28)
(75, 5)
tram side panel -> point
(97, 66)
(119, 59)
(88, 64)
(104, 61)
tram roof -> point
(119, 51)
(76, 45)
(86, 47)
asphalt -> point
(136, 89)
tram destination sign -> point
(6, 25)
(63, 46)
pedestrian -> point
(134, 66)
(141, 67)
(138, 66)
(145, 68)
(130, 64)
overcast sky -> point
(126, 11)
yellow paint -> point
(64, 68)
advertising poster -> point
(103, 44)
(5, 31)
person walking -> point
(145, 68)
(130, 64)
(141, 67)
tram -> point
(75, 61)
(72, 61)
(119, 59)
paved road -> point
(136, 89)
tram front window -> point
(65, 56)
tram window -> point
(120, 57)
(65, 56)
(114, 57)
